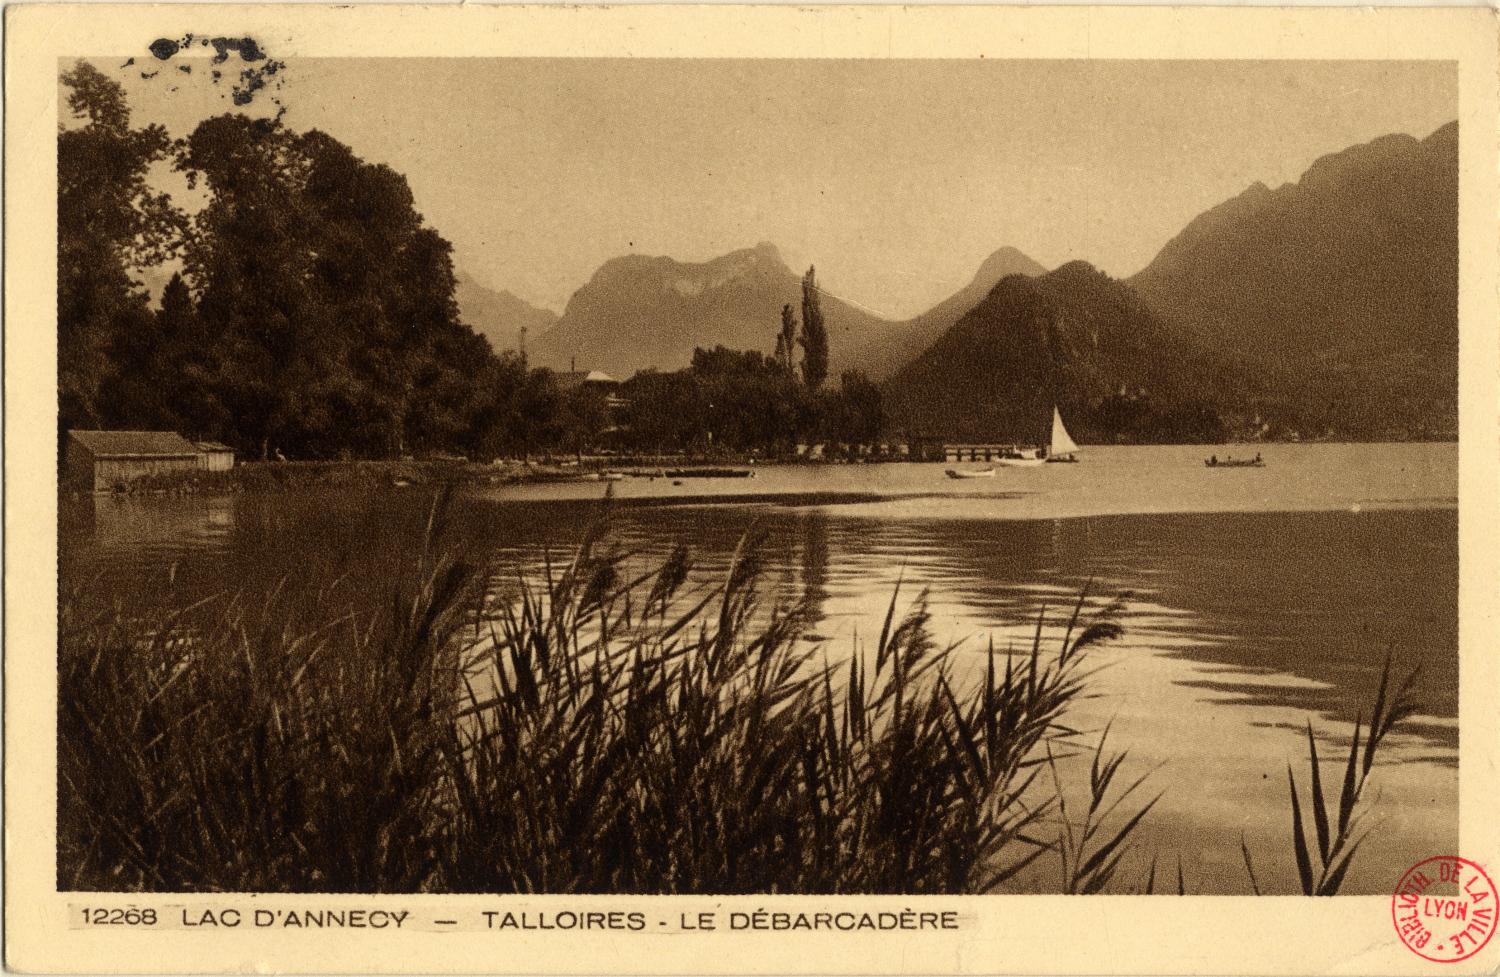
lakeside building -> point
(606, 387)
(597, 381)
(102, 461)
(591, 379)
(214, 457)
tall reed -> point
(592, 730)
(1321, 869)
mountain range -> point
(639, 312)
(1325, 307)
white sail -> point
(1062, 443)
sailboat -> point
(1062, 449)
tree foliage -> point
(314, 313)
(314, 316)
(786, 340)
(814, 334)
(109, 223)
(331, 297)
(746, 401)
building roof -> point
(577, 378)
(211, 446)
(134, 444)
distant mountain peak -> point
(1070, 338)
(1002, 262)
(1077, 268)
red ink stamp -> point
(1444, 909)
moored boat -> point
(981, 473)
(710, 473)
(1021, 458)
(1214, 461)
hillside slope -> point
(1342, 286)
(1074, 338)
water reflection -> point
(1293, 609)
(1239, 626)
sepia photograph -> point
(515, 483)
(757, 476)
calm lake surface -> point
(1259, 600)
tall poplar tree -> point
(814, 334)
(786, 341)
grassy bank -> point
(597, 729)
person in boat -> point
(1213, 459)
(1257, 457)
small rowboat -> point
(1234, 462)
(982, 473)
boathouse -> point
(102, 461)
(214, 457)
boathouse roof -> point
(135, 444)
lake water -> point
(1260, 600)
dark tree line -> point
(314, 314)
(739, 401)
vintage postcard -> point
(673, 489)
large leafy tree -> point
(331, 299)
(110, 222)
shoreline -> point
(276, 476)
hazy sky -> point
(895, 177)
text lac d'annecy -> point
(298, 918)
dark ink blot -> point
(246, 47)
(186, 69)
(164, 48)
(128, 62)
(149, 74)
